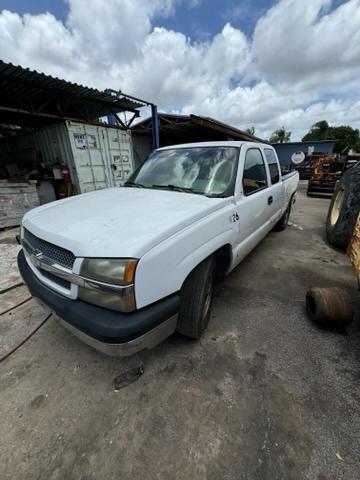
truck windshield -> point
(209, 171)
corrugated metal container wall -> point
(98, 156)
(119, 146)
(142, 147)
(89, 156)
(54, 144)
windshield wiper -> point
(175, 188)
(216, 195)
(134, 184)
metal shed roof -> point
(195, 125)
(27, 96)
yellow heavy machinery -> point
(326, 172)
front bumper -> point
(111, 332)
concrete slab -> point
(18, 323)
(265, 394)
(13, 297)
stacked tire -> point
(344, 209)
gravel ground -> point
(265, 394)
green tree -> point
(357, 146)
(319, 131)
(346, 137)
(280, 136)
(250, 131)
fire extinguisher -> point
(65, 173)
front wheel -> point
(196, 300)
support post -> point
(111, 118)
(155, 127)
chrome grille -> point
(60, 281)
(59, 255)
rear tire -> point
(196, 300)
(284, 220)
(344, 209)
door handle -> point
(270, 200)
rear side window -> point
(273, 165)
(254, 177)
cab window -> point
(273, 165)
(254, 177)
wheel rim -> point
(208, 297)
(335, 212)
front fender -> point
(163, 270)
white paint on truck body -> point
(127, 220)
(169, 232)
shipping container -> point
(97, 156)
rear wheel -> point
(344, 209)
(196, 300)
(284, 220)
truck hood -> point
(118, 222)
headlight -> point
(110, 270)
(109, 283)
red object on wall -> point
(65, 172)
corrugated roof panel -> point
(25, 84)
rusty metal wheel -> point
(330, 306)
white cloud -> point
(300, 54)
(174, 72)
(298, 45)
(115, 29)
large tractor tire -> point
(344, 209)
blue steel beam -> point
(111, 119)
(155, 127)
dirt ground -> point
(265, 394)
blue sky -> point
(207, 18)
(301, 63)
(58, 7)
(198, 19)
(189, 18)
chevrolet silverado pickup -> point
(124, 268)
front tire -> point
(196, 300)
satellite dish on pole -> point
(298, 157)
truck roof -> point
(223, 143)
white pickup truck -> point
(123, 268)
